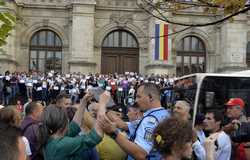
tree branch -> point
(208, 4)
(165, 35)
(164, 18)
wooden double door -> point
(119, 60)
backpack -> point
(39, 154)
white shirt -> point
(199, 150)
(198, 147)
(201, 136)
(224, 147)
(223, 152)
(27, 146)
(1, 106)
(131, 91)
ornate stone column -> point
(82, 47)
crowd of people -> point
(75, 116)
(21, 87)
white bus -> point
(207, 90)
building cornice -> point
(118, 9)
(43, 3)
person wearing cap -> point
(134, 116)
(235, 113)
(235, 109)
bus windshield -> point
(216, 91)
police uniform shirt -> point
(132, 127)
(146, 127)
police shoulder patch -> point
(151, 120)
(148, 134)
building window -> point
(191, 56)
(120, 38)
(45, 52)
(248, 55)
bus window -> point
(221, 89)
(185, 89)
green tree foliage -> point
(7, 23)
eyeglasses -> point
(236, 106)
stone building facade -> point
(116, 36)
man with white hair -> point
(181, 110)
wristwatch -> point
(115, 133)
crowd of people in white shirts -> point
(45, 87)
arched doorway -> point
(45, 51)
(120, 53)
(191, 56)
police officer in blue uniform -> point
(140, 144)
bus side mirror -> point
(209, 99)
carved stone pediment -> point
(121, 20)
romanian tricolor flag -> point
(161, 42)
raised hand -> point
(116, 118)
(104, 98)
(210, 146)
(194, 137)
(88, 97)
(106, 124)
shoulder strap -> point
(26, 127)
(132, 138)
